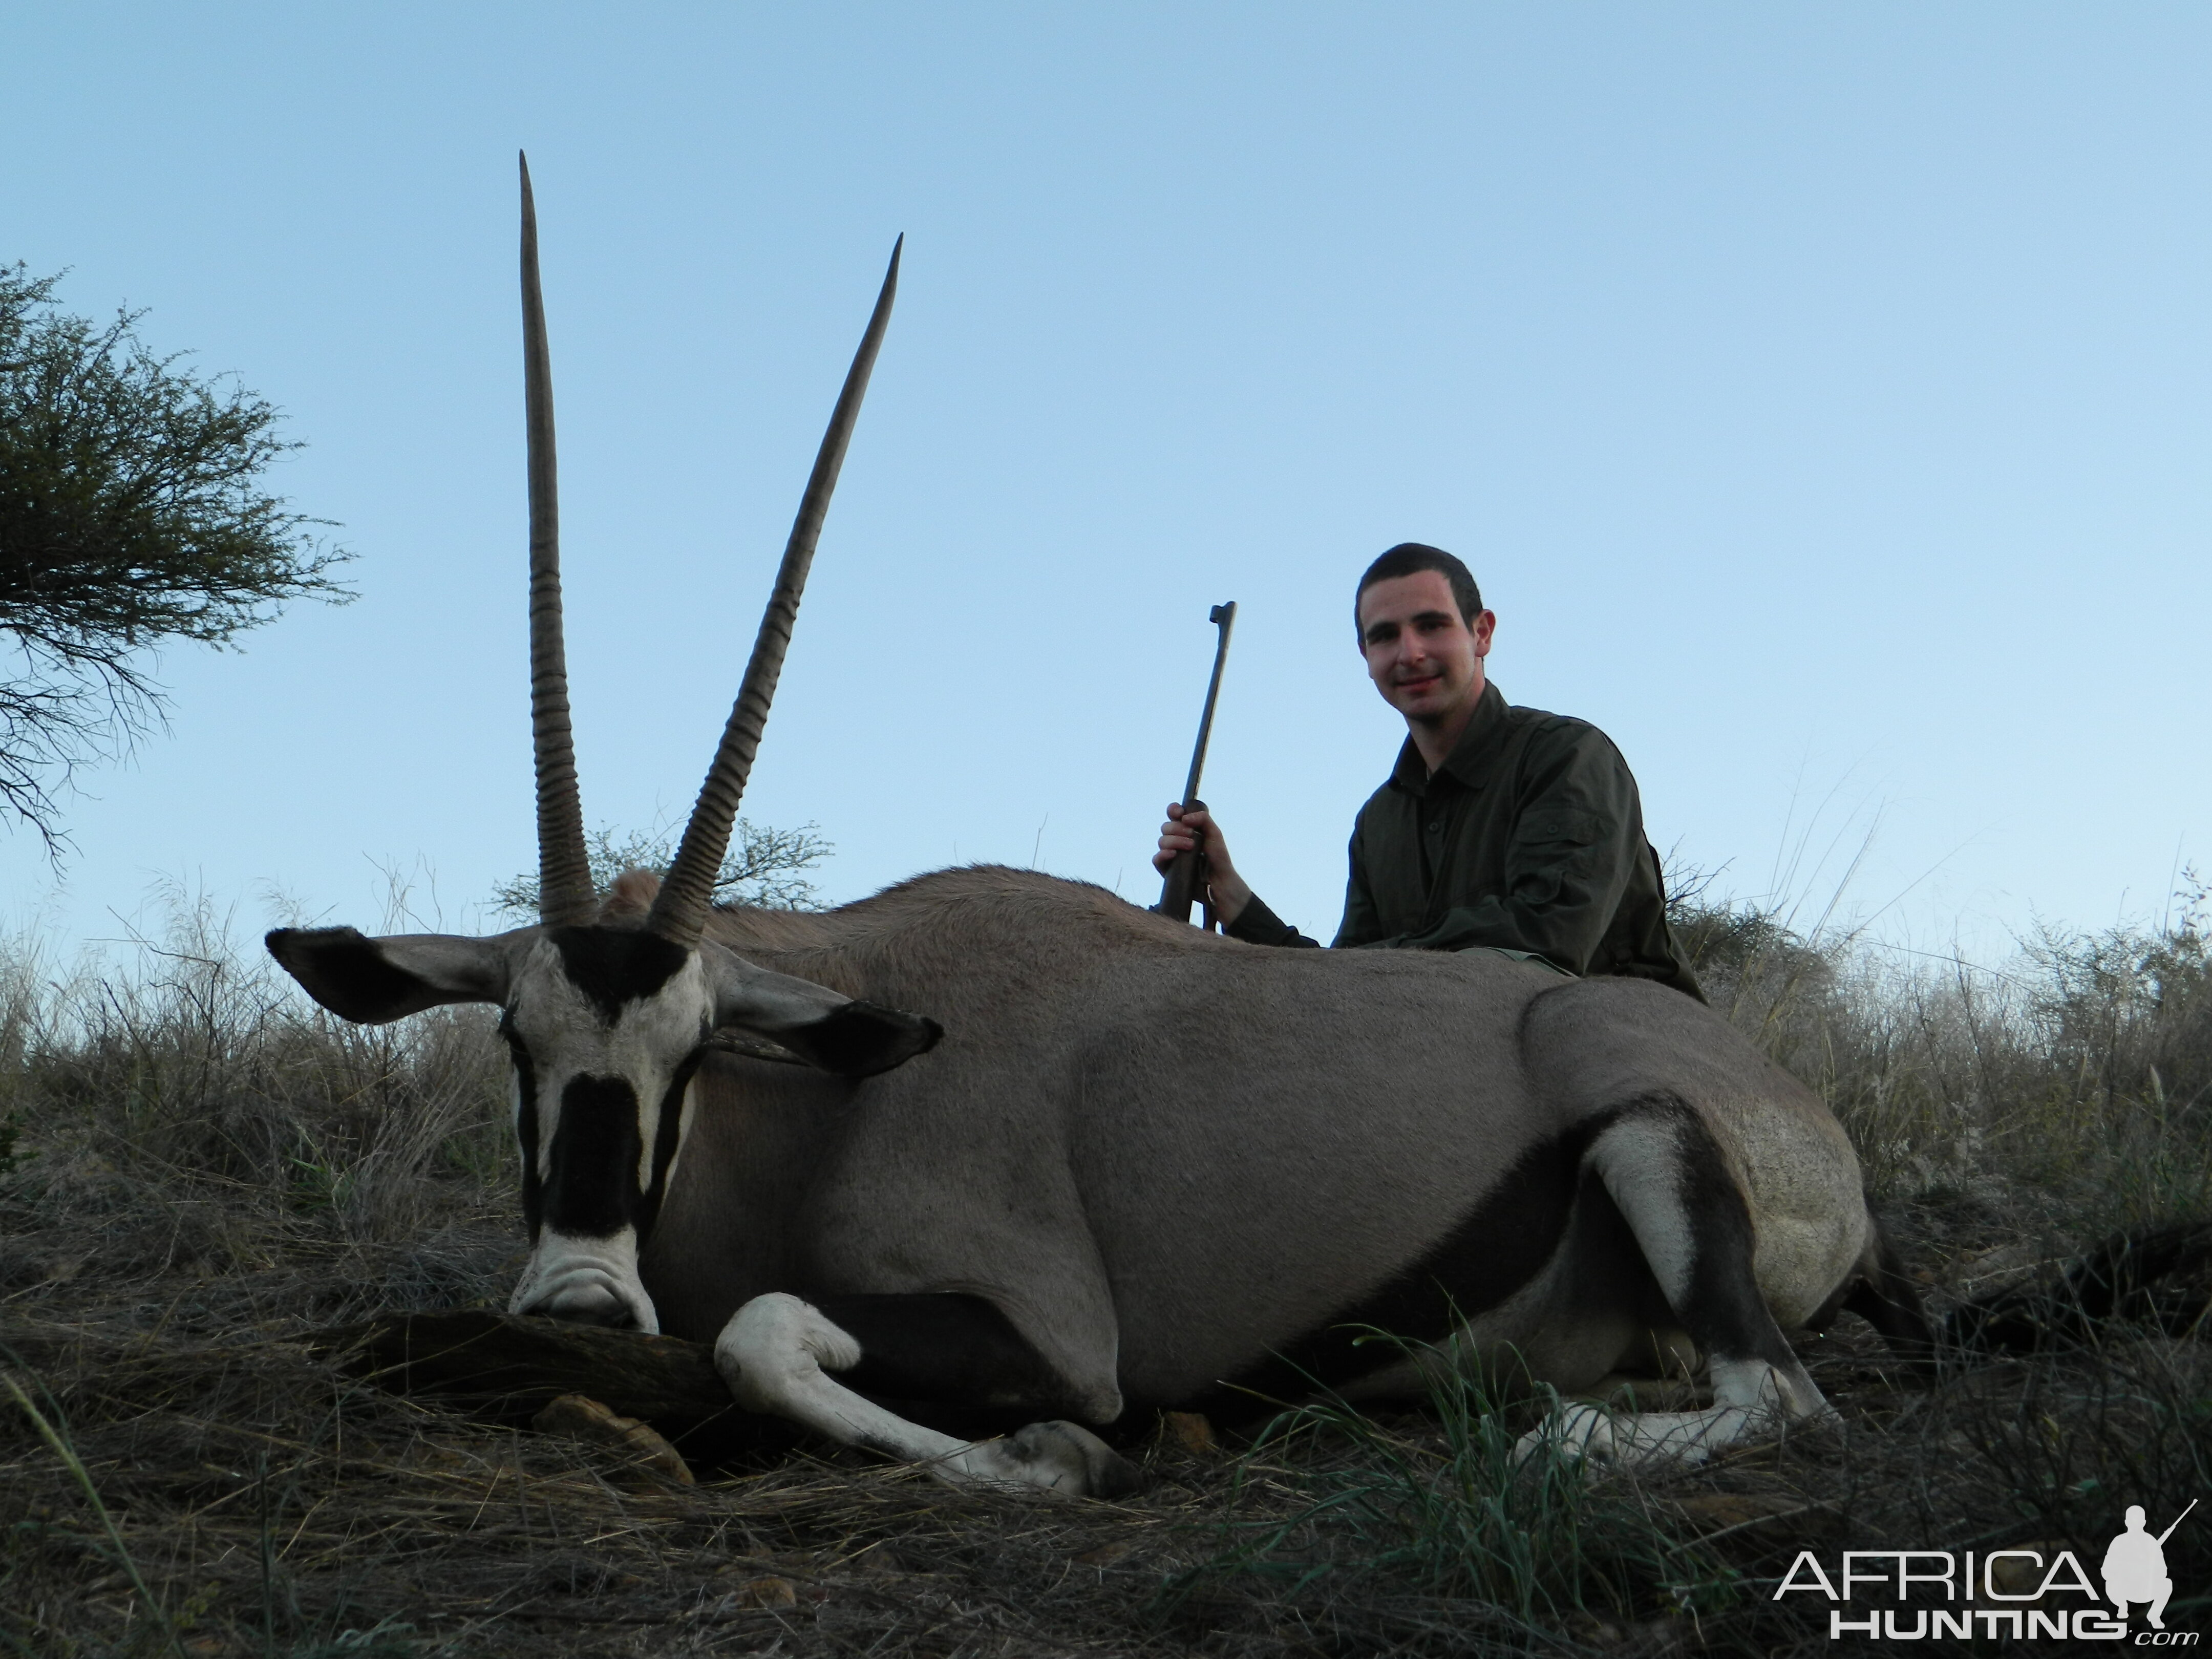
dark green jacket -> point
(1529, 837)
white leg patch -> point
(1639, 1161)
(777, 1353)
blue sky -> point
(1821, 394)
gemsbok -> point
(1138, 1165)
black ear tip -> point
(909, 1034)
(287, 945)
(861, 1038)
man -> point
(1500, 828)
(2134, 1567)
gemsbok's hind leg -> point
(777, 1352)
(1671, 1182)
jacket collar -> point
(1468, 760)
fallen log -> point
(511, 1367)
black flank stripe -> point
(1497, 1247)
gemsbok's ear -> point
(835, 1032)
(859, 1039)
(374, 981)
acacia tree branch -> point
(131, 512)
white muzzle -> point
(588, 1281)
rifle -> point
(1186, 877)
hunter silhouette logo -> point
(2135, 1566)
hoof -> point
(1079, 1463)
(1063, 1458)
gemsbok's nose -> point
(588, 1305)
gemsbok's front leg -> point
(1673, 1185)
(777, 1352)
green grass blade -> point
(67, 1453)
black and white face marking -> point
(606, 1028)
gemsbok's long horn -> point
(565, 896)
(680, 914)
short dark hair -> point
(1407, 558)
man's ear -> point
(836, 1033)
(374, 980)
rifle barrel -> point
(1225, 615)
(1186, 875)
(2178, 1520)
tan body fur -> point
(1164, 1154)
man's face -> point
(1424, 660)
